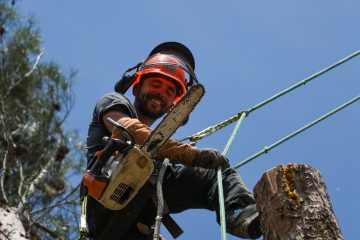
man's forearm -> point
(177, 152)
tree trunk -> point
(11, 226)
(294, 204)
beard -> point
(144, 108)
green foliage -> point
(36, 153)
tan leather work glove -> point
(139, 130)
(177, 152)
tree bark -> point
(11, 226)
(294, 204)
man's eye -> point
(156, 84)
(170, 92)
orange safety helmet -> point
(171, 60)
(168, 66)
(175, 48)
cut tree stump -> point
(293, 203)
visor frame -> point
(184, 66)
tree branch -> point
(37, 60)
(40, 177)
(14, 84)
(2, 182)
(49, 207)
(59, 203)
(47, 230)
(21, 184)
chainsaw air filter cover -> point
(127, 179)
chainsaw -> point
(116, 173)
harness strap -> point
(174, 229)
(170, 224)
(160, 199)
(83, 227)
(162, 208)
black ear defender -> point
(124, 84)
(126, 80)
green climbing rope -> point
(241, 115)
(206, 132)
(219, 179)
(277, 143)
(210, 130)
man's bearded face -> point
(155, 97)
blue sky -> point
(245, 52)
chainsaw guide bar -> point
(172, 120)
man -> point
(190, 184)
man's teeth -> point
(156, 101)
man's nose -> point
(160, 94)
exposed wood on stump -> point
(294, 204)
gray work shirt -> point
(97, 129)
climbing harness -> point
(241, 115)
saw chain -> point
(172, 120)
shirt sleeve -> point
(112, 101)
(97, 130)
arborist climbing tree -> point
(125, 157)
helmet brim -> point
(162, 74)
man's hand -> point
(210, 158)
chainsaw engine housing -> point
(127, 179)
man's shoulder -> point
(114, 100)
(114, 95)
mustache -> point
(157, 96)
